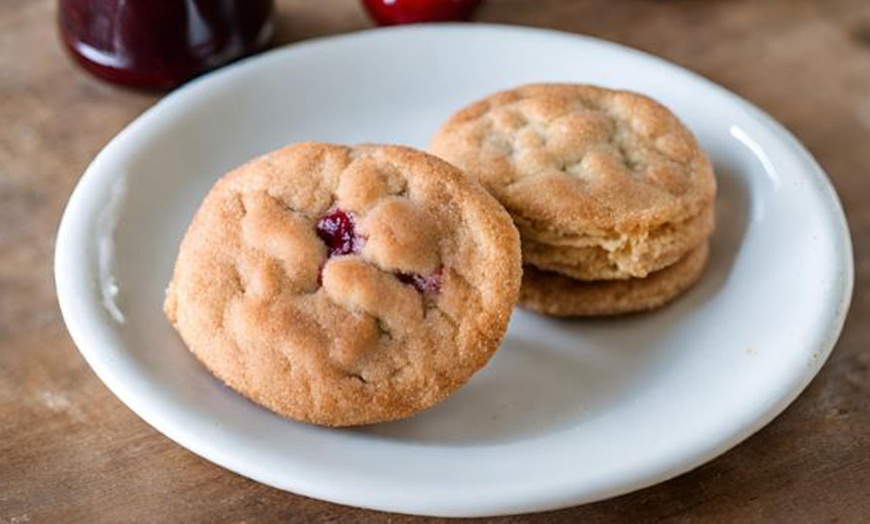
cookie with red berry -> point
(345, 285)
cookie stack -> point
(612, 196)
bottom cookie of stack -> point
(558, 295)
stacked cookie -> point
(612, 196)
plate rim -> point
(70, 265)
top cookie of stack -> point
(602, 184)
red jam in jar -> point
(159, 44)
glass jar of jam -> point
(159, 44)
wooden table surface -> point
(71, 452)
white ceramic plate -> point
(568, 411)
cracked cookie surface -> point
(613, 174)
(344, 286)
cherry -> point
(393, 12)
(423, 284)
(336, 229)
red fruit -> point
(337, 231)
(393, 12)
(423, 284)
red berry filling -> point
(336, 229)
(423, 284)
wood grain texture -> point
(71, 452)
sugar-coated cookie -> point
(345, 285)
(612, 181)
